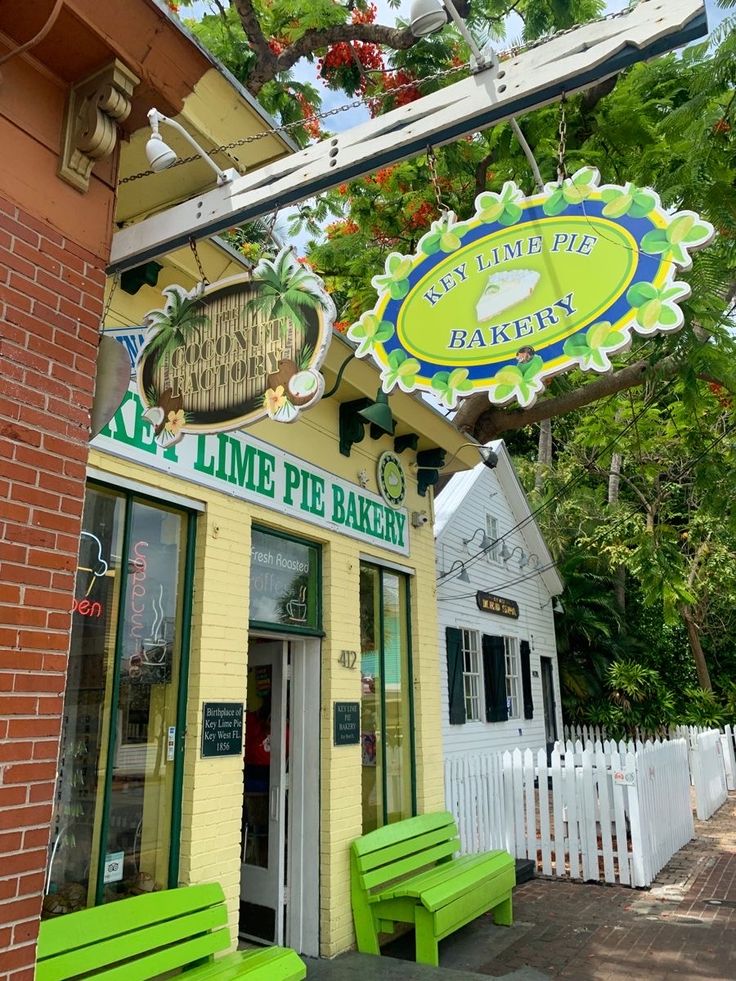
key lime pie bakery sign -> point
(529, 287)
(236, 352)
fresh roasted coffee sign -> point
(236, 352)
(529, 287)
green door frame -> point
(182, 691)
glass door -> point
(116, 820)
(262, 870)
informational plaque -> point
(222, 728)
(347, 723)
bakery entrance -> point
(279, 871)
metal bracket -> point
(570, 62)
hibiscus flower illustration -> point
(274, 399)
(174, 422)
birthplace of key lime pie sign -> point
(529, 287)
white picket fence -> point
(597, 811)
(708, 773)
(728, 743)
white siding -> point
(457, 607)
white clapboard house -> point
(496, 597)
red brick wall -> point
(50, 304)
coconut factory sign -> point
(529, 287)
(236, 352)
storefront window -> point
(285, 587)
(386, 707)
(112, 826)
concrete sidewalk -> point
(683, 927)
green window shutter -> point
(494, 679)
(455, 684)
(526, 679)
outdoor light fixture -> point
(160, 155)
(485, 542)
(429, 16)
(557, 606)
(379, 416)
(507, 554)
(462, 576)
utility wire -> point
(580, 551)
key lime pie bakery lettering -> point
(529, 287)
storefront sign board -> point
(248, 468)
(529, 287)
(222, 728)
(234, 352)
(490, 603)
(347, 723)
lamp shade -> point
(426, 17)
(159, 154)
(379, 414)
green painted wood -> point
(405, 873)
(418, 885)
(412, 863)
(401, 830)
(265, 964)
(143, 937)
(106, 953)
(384, 856)
(65, 933)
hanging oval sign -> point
(527, 288)
(241, 350)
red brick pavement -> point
(684, 927)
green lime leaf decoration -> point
(641, 292)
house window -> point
(471, 674)
(492, 532)
(513, 685)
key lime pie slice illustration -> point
(504, 290)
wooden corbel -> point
(94, 108)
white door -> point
(262, 864)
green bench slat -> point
(403, 830)
(106, 953)
(268, 963)
(65, 933)
(143, 937)
(450, 878)
(383, 856)
(405, 866)
(407, 873)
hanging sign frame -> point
(529, 287)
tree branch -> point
(393, 37)
(484, 423)
(481, 173)
(257, 40)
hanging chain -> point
(435, 181)
(202, 277)
(562, 146)
(108, 301)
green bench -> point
(145, 936)
(406, 873)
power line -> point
(655, 397)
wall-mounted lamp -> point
(485, 541)
(463, 574)
(507, 554)
(354, 415)
(429, 16)
(429, 463)
(557, 606)
(160, 155)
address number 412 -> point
(348, 659)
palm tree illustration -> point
(285, 290)
(180, 319)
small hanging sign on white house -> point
(529, 287)
(238, 351)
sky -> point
(307, 72)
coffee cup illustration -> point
(296, 609)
